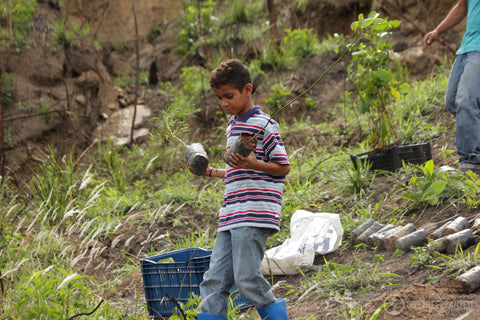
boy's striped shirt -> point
(254, 198)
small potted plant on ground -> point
(377, 85)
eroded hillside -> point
(61, 95)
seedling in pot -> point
(197, 158)
(244, 145)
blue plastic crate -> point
(178, 279)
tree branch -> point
(86, 313)
(136, 73)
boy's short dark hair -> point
(230, 72)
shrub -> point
(297, 44)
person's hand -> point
(430, 38)
(239, 161)
(206, 173)
(188, 166)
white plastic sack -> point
(310, 233)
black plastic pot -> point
(392, 158)
(244, 145)
(197, 158)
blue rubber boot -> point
(210, 316)
(274, 311)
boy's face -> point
(233, 101)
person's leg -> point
(247, 258)
(248, 251)
(468, 110)
(217, 281)
(452, 86)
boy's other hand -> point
(239, 161)
(188, 166)
(206, 173)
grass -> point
(357, 277)
(75, 210)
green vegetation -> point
(377, 83)
(68, 35)
(298, 44)
(277, 99)
(124, 203)
(355, 278)
(15, 23)
(196, 22)
(7, 86)
(454, 264)
(203, 35)
(124, 81)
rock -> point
(119, 124)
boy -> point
(252, 201)
(463, 89)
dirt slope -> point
(80, 80)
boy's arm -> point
(458, 12)
(210, 171)
(250, 162)
(213, 172)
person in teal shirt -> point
(463, 90)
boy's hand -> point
(251, 162)
(188, 166)
(239, 161)
(206, 173)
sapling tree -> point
(373, 73)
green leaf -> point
(438, 186)
(429, 167)
(404, 87)
(373, 15)
(354, 26)
(395, 23)
(394, 92)
(384, 75)
(412, 196)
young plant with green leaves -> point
(373, 73)
(353, 311)
(7, 88)
(299, 44)
(437, 185)
(277, 98)
(49, 293)
(196, 22)
(354, 180)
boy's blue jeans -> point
(236, 258)
(463, 101)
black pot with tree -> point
(378, 81)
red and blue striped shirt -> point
(254, 198)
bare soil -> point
(80, 81)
